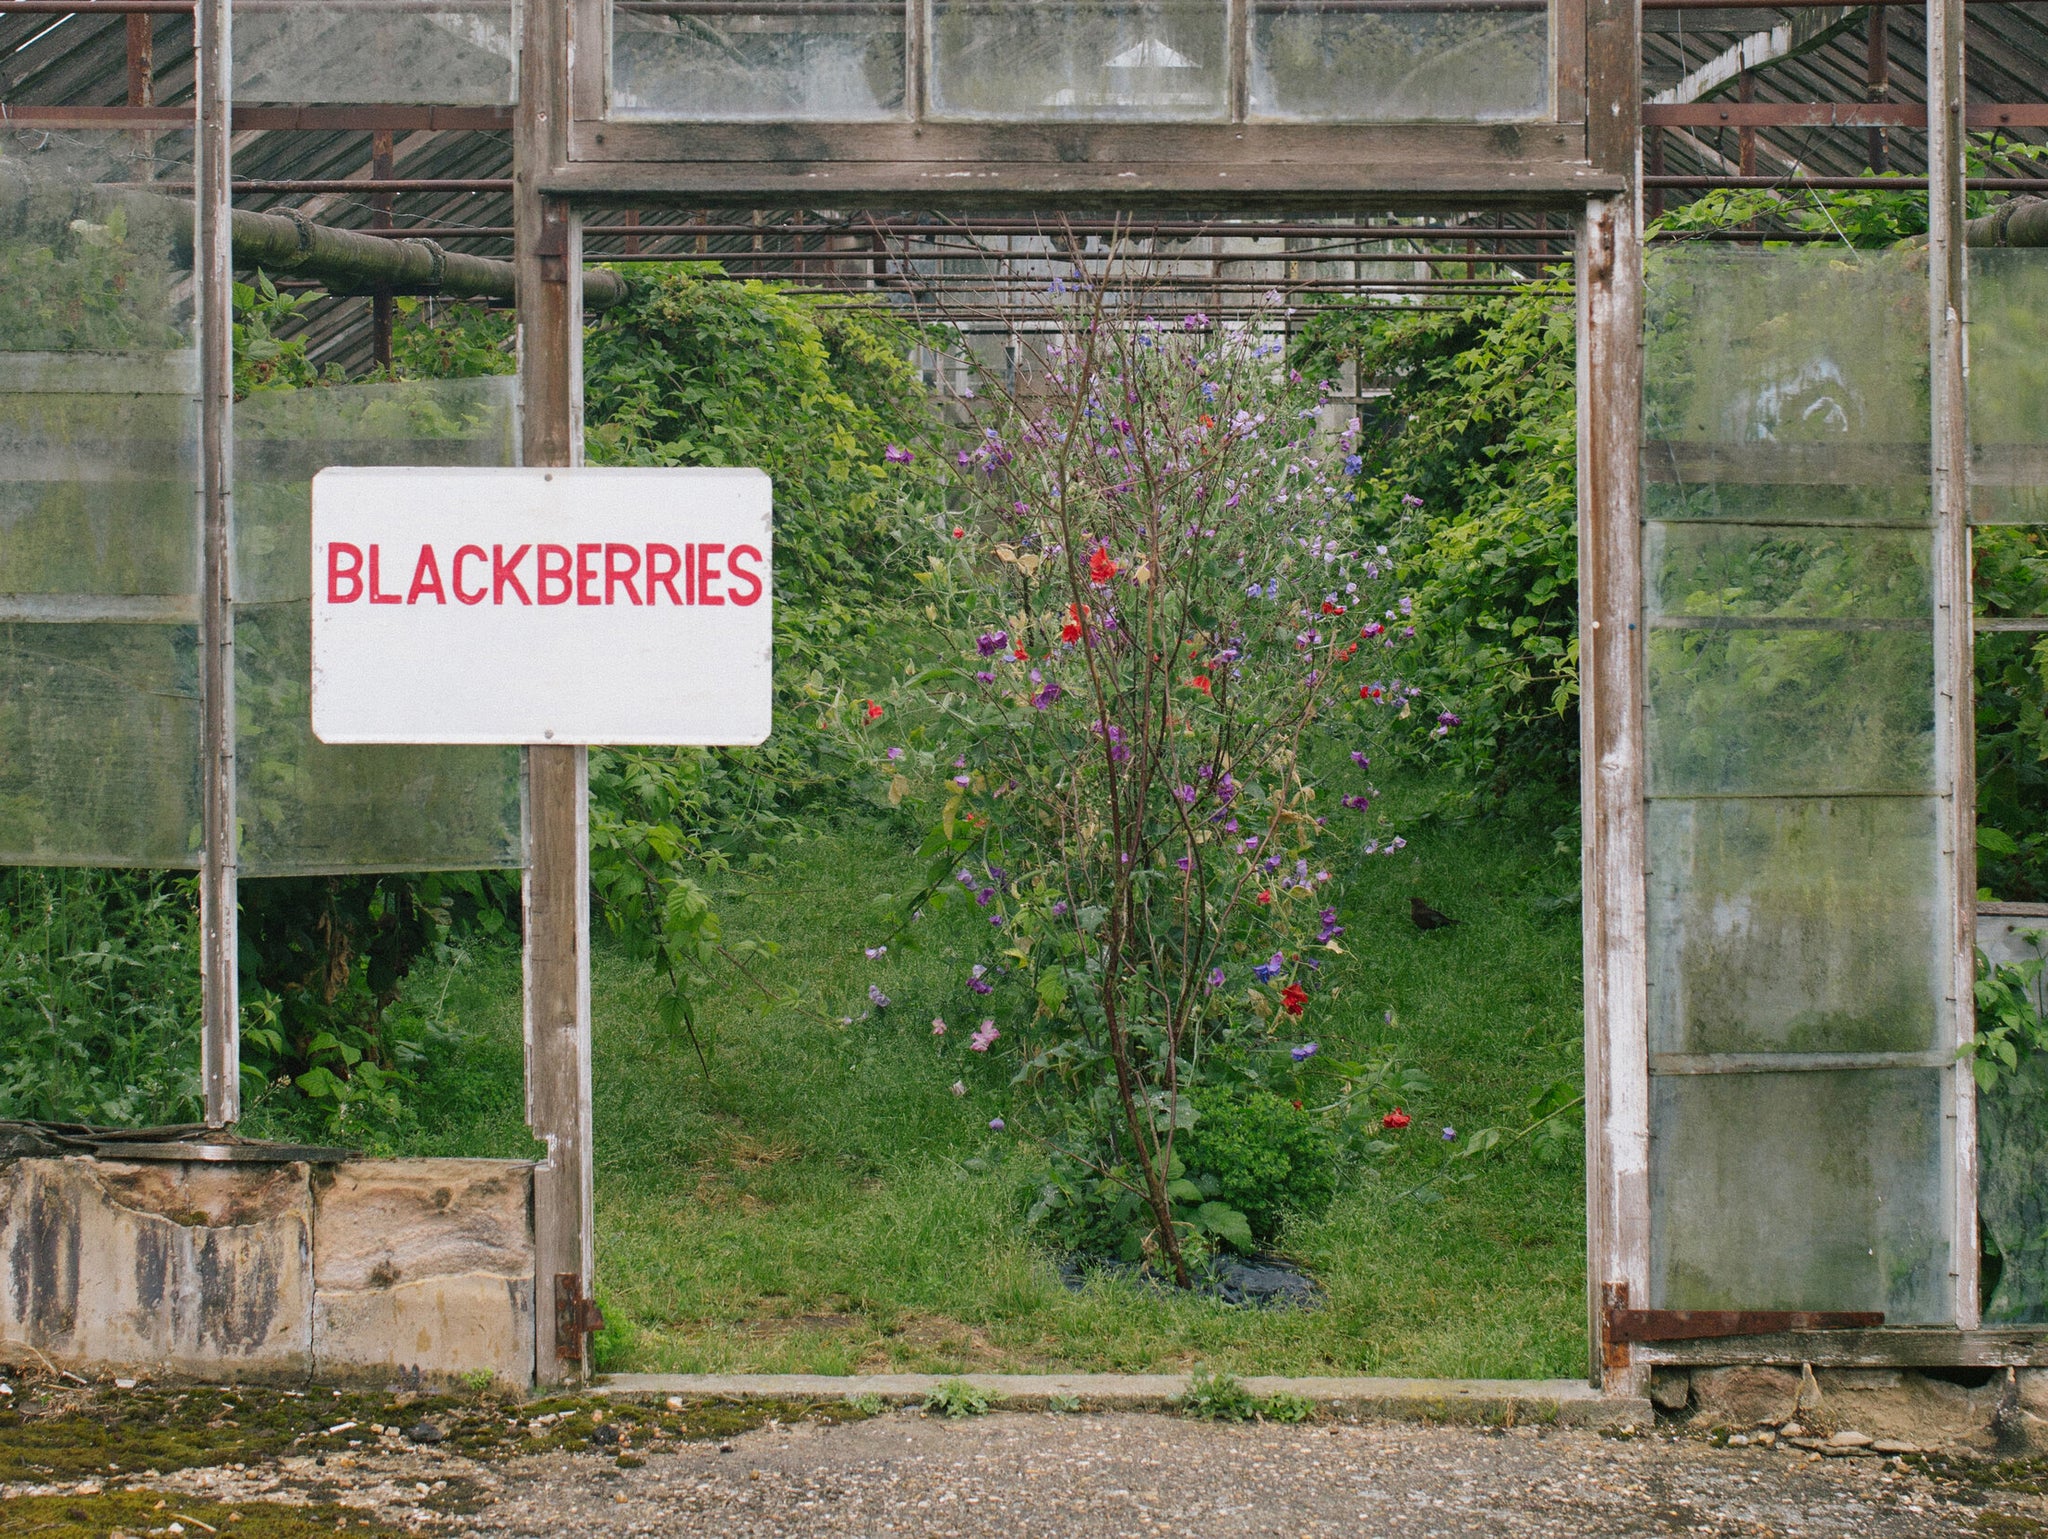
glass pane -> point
(1805, 925)
(101, 724)
(1792, 384)
(461, 54)
(306, 806)
(1080, 59)
(2012, 1191)
(1340, 61)
(283, 437)
(1801, 1191)
(2008, 385)
(1789, 711)
(1806, 573)
(823, 60)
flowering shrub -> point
(1147, 612)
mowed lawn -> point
(827, 1204)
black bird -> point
(1427, 918)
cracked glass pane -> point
(463, 53)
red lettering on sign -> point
(586, 574)
(426, 578)
(554, 562)
(344, 566)
(663, 562)
(708, 573)
(751, 579)
(690, 573)
(505, 574)
(377, 594)
(617, 576)
(455, 575)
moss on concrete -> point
(143, 1513)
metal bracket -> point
(576, 1316)
(1622, 1324)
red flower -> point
(959, 533)
(874, 711)
(1100, 567)
(1264, 897)
(1369, 692)
(1293, 999)
(1070, 631)
(1297, 1106)
(1396, 1119)
(1332, 609)
(1200, 681)
(1023, 654)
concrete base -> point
(1490, 1402)
(374, 1270)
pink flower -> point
(984, 1038)
(938, 1026)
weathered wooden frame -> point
(925, 161)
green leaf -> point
(1226, 1223)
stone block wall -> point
(372, 1270)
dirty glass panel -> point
(1802, 925)
(2008, 386)
(1784, 709)
(1337, 61)
(2011, 708)
(457, 53)
(1032, 60)
(101, 723)
(1754, 572)
(98, 380)
(2012, 1192)
(282, 438)
(1822, 1190)
(307, 806)
(822, 60)
(1786, 386)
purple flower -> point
(1410, 500)
(1355, 803)
(877, 951)
(896, 456)
(1059, 907)
(983, 676)
(963, 781)
(1187, 795)
(1330, 928)
(1450, 1134)
(879, 999)
(1306, 1051)
(984, 896)
(1359, 759)
(996, 920)
(1215, 977)
(1045, 696)
(991, 642)
(895, 754)
(1446, 719)
(995, 1124)
(981, 985)
(1184, 863)
(1268, 970)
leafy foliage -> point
(955, 1398)
(99, 996)
(2012, 1019)
(1466, 475)
(2011, 578)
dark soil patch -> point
(1260, 1281)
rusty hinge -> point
(1623, 1325)
(551, 243)
(576, 1316)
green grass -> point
(811, 1209)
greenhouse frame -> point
(1781, 912)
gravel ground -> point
(1095, 1476)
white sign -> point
(541, 606)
